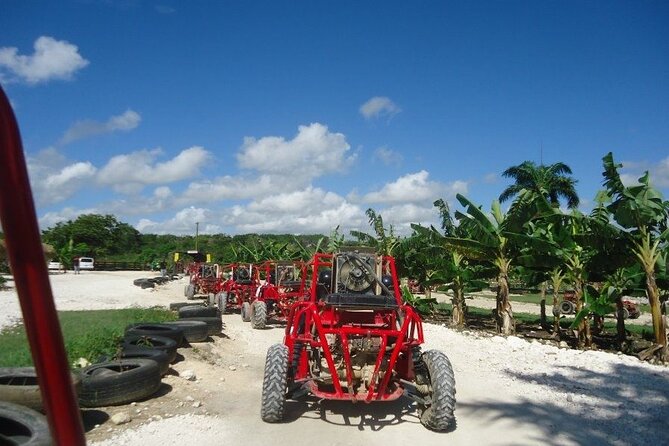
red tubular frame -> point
(26, 257)
(313, 313)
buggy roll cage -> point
(26, 257)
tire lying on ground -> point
(189, 292)
(194, 330)
(155, 329)
(174, 306)
(19, 385)
(159, 356)
(169, 346)
(138, 282)
(147, 284)
(119, 382)
(20, 425)
(214, 324)
(198, 311)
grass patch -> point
(87, 334)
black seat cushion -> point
(360, 301)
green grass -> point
(87, 334)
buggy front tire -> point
(190, 291)
(439, 415)
(245, 311)
(275, 384)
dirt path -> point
(510, 392)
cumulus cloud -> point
(50, 219)
(52, 59)
(388, 157)
(415, 188)
(128, 173)
(84, 129)
(54, 178)
(633, 170)
(313, 152)
(379, 106)
(183, 222)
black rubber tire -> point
(147, 284)
(198, 311)
(194, 330)
(159, 356)
(258, 314)
(119, 382)
(155, 329)
(186, 290)
(174, 306)
(20, 425)
(245, 312)
(567, 307)
(220, 301)
(19, 385)
(626, 313)
(138, 282)
(168, 345)
(439, 416)
(190, 291)
(274, 384)
(214, 324)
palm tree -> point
(551, 182)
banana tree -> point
(641, 211)
(385, 241)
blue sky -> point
(275, 117)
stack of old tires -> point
(151, 282)
(135, 373)
(21, 409)
(191, 318)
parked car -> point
(86, 263)
(53, 265)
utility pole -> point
(197, 229)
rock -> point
(81, 362)
(190, 399)
(188, 375)
(246, 366)
(232, 368)
(121, 418)
(570, 398)
(196, 404)
(563, 344)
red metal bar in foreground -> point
(26, 257)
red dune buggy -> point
(205, 279)
(285, 283)
(355, 339)
(240, 283)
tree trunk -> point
(584, 335)
(428, 292)
(504, 315)
(458, 317)
(620, 323)
(544, 323)
(659, 328)
(556, 311)
(598, 323)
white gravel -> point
(509, 391)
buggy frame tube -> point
(26, 257)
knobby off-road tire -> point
(198, 311)
(245, 312)
(194, 330)
(119, 382)
(190, 291)
(258, 314)
(148, 329)
(19, 385)
(168, 345)
(20, 425)
(214, 324)
(439, 416)
(144, 353)
(275, 384)
(221, 299)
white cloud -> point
(50, 219)
(633, 170)
(182, 223)
(315, 151)
(388, 157)
(415, 188)
(491, 178)
(53, 178)
(128, 173)
(83, 129)
(379, 106)
(52, 59)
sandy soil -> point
(509, 391)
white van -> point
(86, 262)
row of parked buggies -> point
(348, 333)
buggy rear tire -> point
(20, 425)
(119, 382)
(275, 384)
(194, 330)
(567, 307)
(258, 314)
(245, 312)
(190, 291)
(439, 415)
